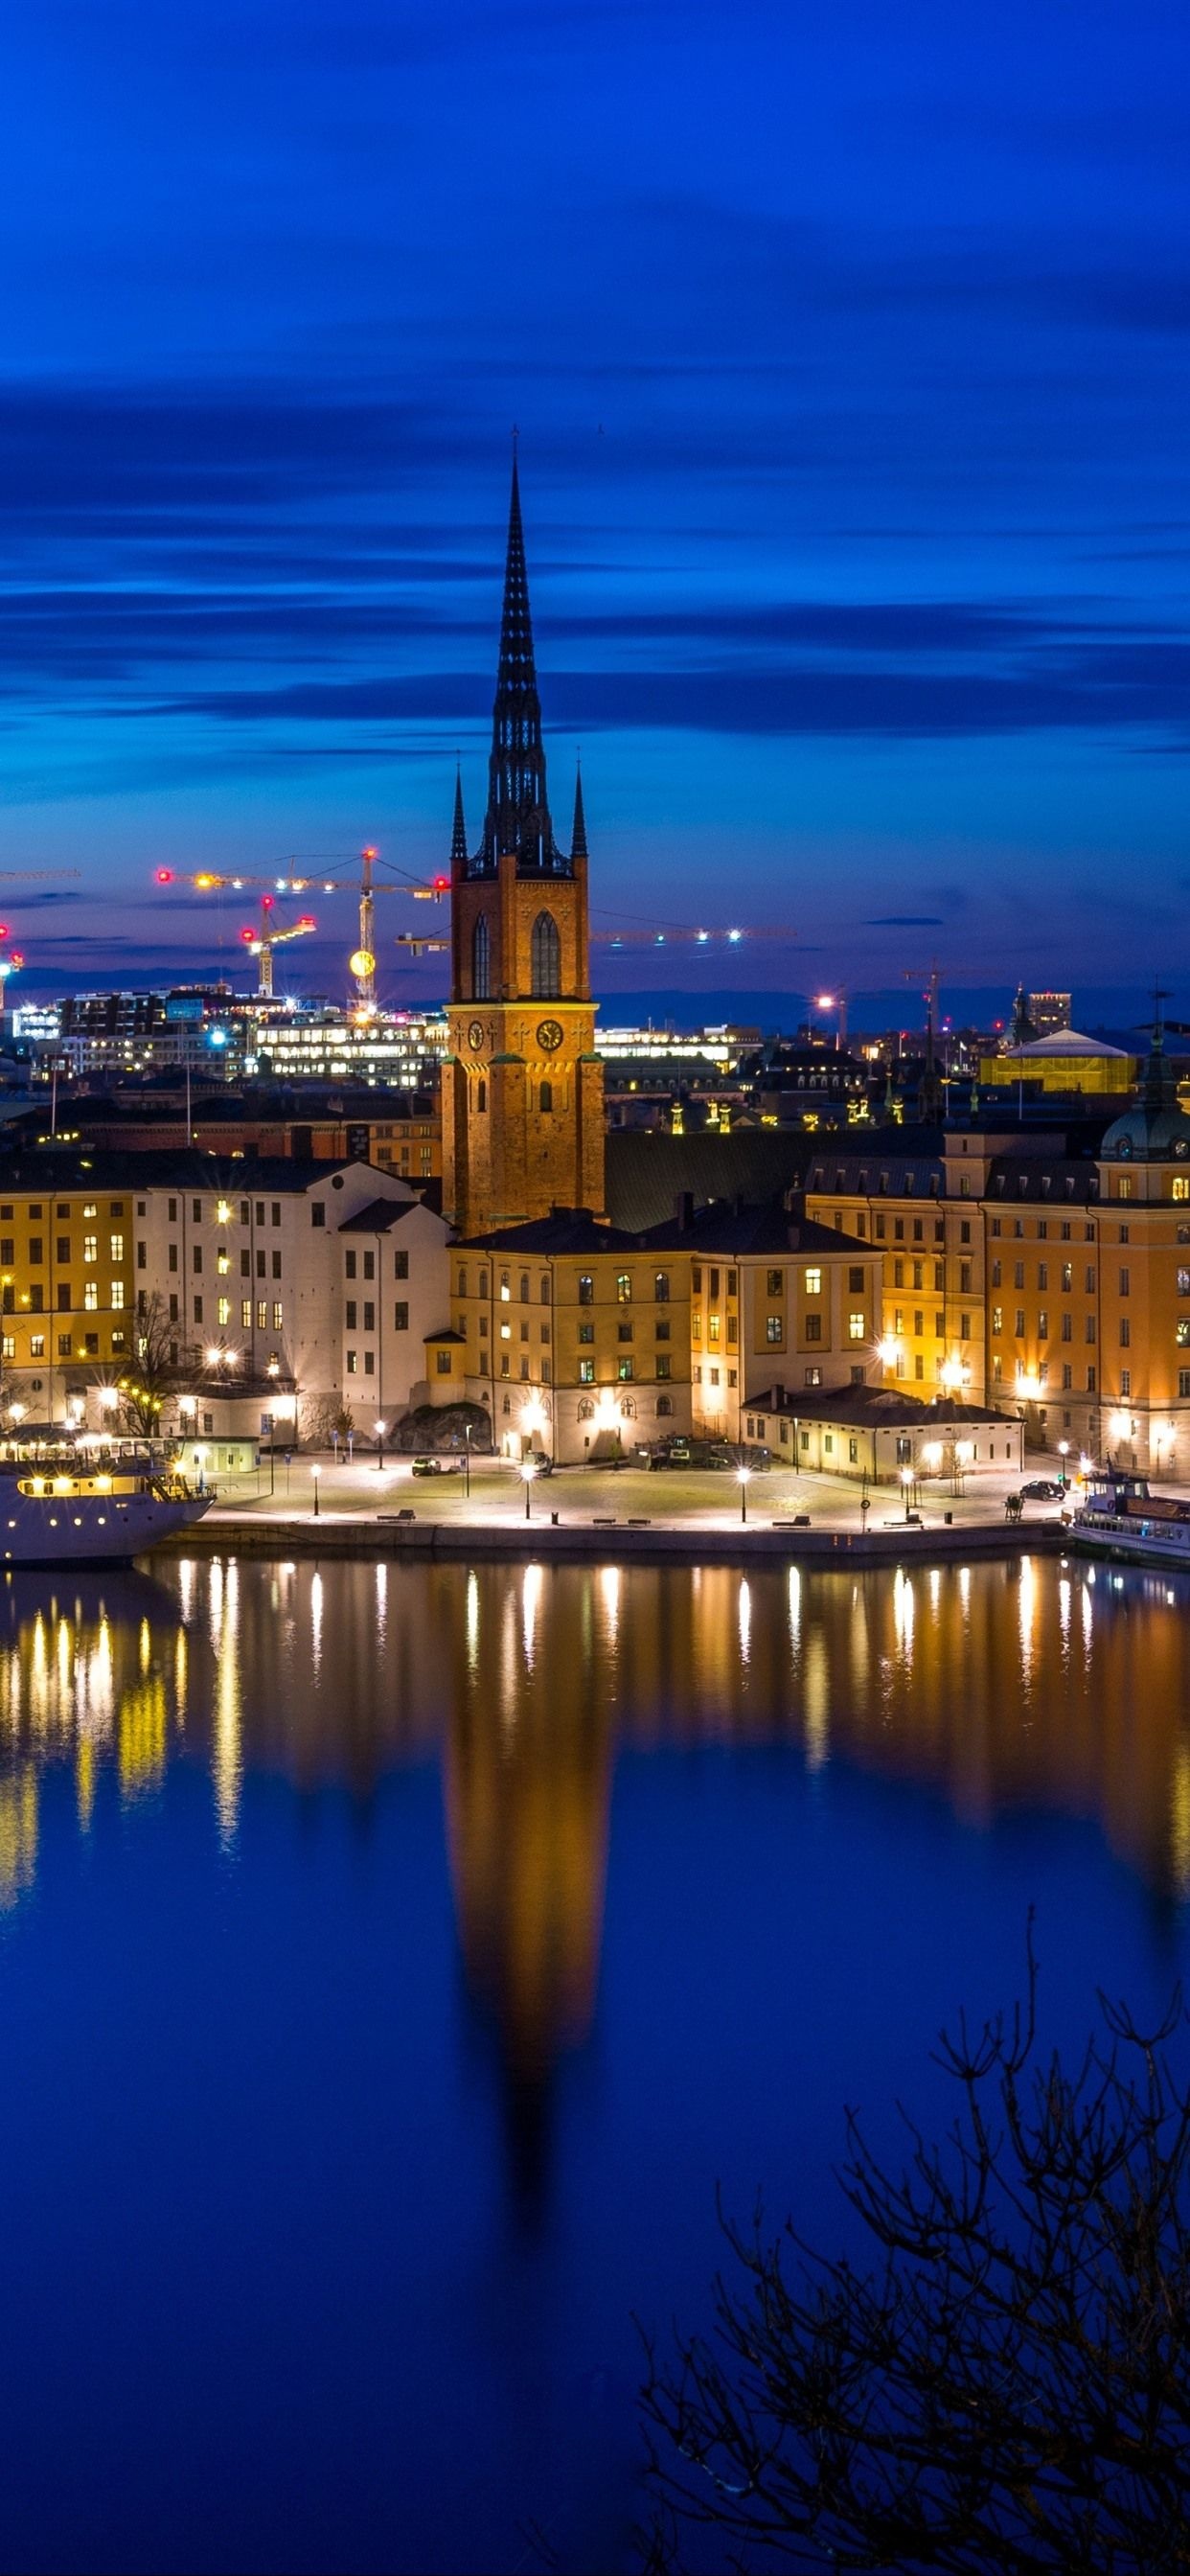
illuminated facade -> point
(67, 1266)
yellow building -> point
(574, 1338)
(67, 1271)
(776, 1302)
(1064, 1061)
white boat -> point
(1120, 1517)
(71, 1512)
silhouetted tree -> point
(1006, 2386)
(157, 1372)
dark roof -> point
(73, 1167)
(572, 1231)
(448, 1335)
(1059, 1179)
(874, 1408)
(379, 1216)
(739, 1228)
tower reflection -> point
(1005, 1689)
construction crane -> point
(12, 964)
(362, 961)
(259, 943)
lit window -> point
(117, 1296)
(117, 1247)
(855, 1328)
(813, 1283)
(90, 1247)
(91, 1296)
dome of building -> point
(1155, 1129)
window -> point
(116, 1298)
(1019, 1327)
(90, 1248)
(586, 1332)
(481, 1096)
(813, 1328)
(262, 1314)
(64, 1346)
(1182, 1332)
(245, 1314)
(1090, 1279)
(90, 1297)
(1018, 1274)
(1125, 1283)
(774, 1328)
(545, 959)
(855, 1328)
(1089, 1329)
(661, 1288)
(996, 1273)
(997, 1319)
(855, 1282)
(545, 1291)
(1183, 1383)
(349, 1265)
(1090, 1381)
(586, 1289)
(401, 1271)
(37, 1346)
(317, 1213)
(481, 960)
(198, 1310)
(623, 1332)
(813, 1283)
(224, 1310)
(369, 1315)
(663, 1364)
(1125, 1381)
(713, 1328)
(964, 1278)
(1068, 1328)
(442, 1363)
(1043, 1324)
(624, 1287)
(352, 1315)
(776, 1282)
(545, 1098)
(586, 1372)
(624, 1369)
(351, 1364)
(1126, 1332)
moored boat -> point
(1120, 1517)
(73, 1512)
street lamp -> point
(381, 1428)
(314, 1474)
(528, 1472)
(467, 1461)
(907, 1486)
(1063, 1453)
(742, 1477)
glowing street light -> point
(314, 1476)
(886, 1351)
(381, 1428)
(907, 1486)
(528, 1472)
(109, 1397)
(1063, 1453)
(743, 1478)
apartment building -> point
(776, 1301)
(66, 1281)
(577, 1339)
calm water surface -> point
(393, 1960)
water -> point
(393, 1960)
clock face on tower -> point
(550, 1035)
(475, 1036)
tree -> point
(155, 1373)
(1007, 2386)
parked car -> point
(1041, 1489)
(427, 1467)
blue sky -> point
(849, 354)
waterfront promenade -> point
(582, 1511)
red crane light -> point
(247, 936)
(307, 922)
(165, 876)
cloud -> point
(905, 921)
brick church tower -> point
(522, 1086)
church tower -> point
(522, 1086)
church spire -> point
(518, 815)
(578, 837)
(458, 838)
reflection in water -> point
(1001, 1688)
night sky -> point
(848, 350)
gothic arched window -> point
(481, 956)
(545, 1097)
(546, 959)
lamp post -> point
(314, 1473)
(907, 1486)
(1063, 1453)
(467, 1461)
(528, 1472)
(381, 1428)
(742, 1476)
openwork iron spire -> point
(518, 814)
(458, 838)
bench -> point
(604, 1520)
(801, 1520)
(640, 1524)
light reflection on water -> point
(581, 1861)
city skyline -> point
(847, 398)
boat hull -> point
(90, 1529)
(1135, 1542)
